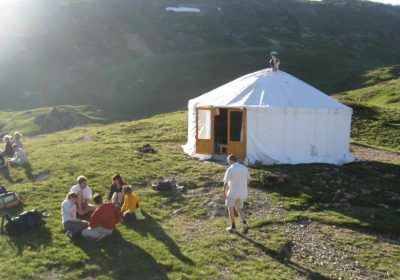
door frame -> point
(205, 146)
(238, 148)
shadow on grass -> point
(365, 192)
(32, 240)
(284, 259)
(5, 172)
(150, 226)
(120, 258)
(28, 171)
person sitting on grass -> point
(72, 225)
(3, 162)
(84, 193)
(19, 158)
(17, 139)
(116, 194)
(8, 151)
(103, 220)
(130, 209)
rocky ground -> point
(371, 154)
(310, 247)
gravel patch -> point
(371, 154)
(308, 246)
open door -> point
(237, 133)
(205, 131)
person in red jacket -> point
(103, 220)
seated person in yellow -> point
(131, 206)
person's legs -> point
(105, 231)
(75, 227)
(79, 203)
(239, 209)
(230, 203)
(87, 208)
(92, 233)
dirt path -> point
(371, 154)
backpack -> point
(26, 221)
(8, 199)
(163, 185)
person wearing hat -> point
(274, 62)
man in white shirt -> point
(235, 191)
(71, 224)
(84, 193)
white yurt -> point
(271, 117)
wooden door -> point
(237, 133)
(205, 131)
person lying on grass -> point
(116, 194)
(72, 225)
(19, 158)
(84, 193)
(103, 220)
(130, 209)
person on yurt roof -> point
(274, 62)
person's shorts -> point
(234, 202)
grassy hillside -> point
(135, 59)
(45, 120)
(376, 120)
(322, 222)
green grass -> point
(178, 240)
(376, 105)
(26, 121)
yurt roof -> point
(266, 88)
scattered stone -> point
(384, 205)
(348, 195)
(389, 176)
(147, 149)
(365, 191)
(271, 178)
(150, 160)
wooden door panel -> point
(237, 133)
(204, 131)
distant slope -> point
(376, 119)
(46, 120)
(135, 59)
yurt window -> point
(204, 124)
(236, 126)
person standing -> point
(84, 193)
(71, 224)
(274, 62)
(103, 220)
(235, 191)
